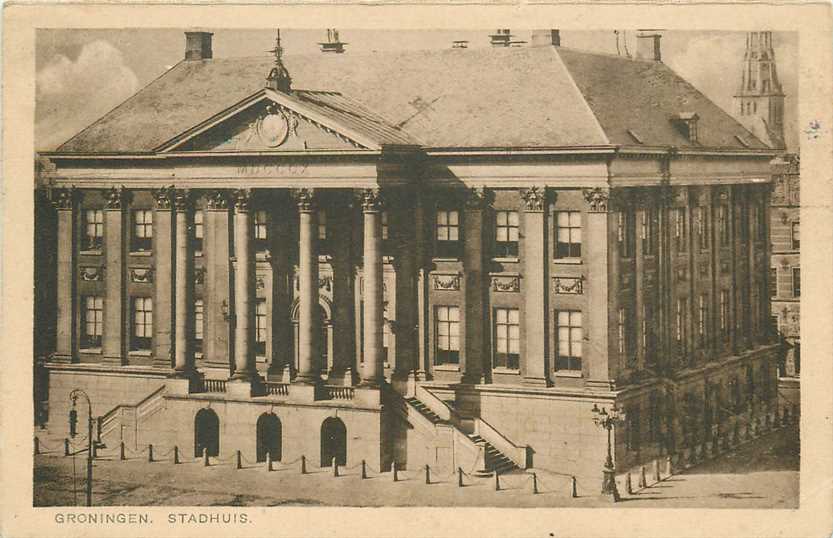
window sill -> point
(198, 254)
(568, 261)
(507, 259)
(147, 253)
(91, 350)
(505, 371)
(568, 373)
(447, 367)
(91, 253)
(445, 259)
(139, 353)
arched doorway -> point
(324, 344)
(206, 433)
(333, 442)
(268, 437)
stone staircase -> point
(425, 411)
(496, 461)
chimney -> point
(546, 38)
(198, 46)
(647, 46)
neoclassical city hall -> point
(442, 257)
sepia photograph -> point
(426, 268)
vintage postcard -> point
(383, 271)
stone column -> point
(162, 281)
(344, 330)
(476, 316)
(596, 358)
(281, 366)
(535, 260)
(422, 263)
(372, 369)
(308, 330)
(244, 290)
(113, 349)
(184, 281)
(64, 202)
(216, 342)
(402, 233)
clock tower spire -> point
(760, 99)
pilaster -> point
(184, 282)
(113, 345)
(308, 322)
(536, 357)
(245, 370)
(64, 201)
(163, 281)
(372, 368)
(475, 286)
(216, 334)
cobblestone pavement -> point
(763, 474)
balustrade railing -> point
(277, 389)
(213, 385)
(335, 392)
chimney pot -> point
(198, 46)
(546, 38)
(648, 46)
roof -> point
(518, 97)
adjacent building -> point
(444, 257)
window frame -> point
(680, 230)
(796, 278)
(141, 318)
(447, 248)
(261, 333)
(508, 248)
(260, 223)
(446, 356)
(572, 245)
(199, 325)
(95, 242)
(199, 231)
(703, 227)
(574, 342)
(502, 331)
(88, 341)
(141, 243)
(795, 235)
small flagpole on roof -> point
(279, 78)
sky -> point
(83, 74)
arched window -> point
(206, 433)
(324, 344)
(269, 433)
(333, 442)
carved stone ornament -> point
(199, 275)
(162, 197)
(217, 200)
(242, 198)
(114, 198)
(259, 283)
(371, 200)
(94, 273)
(62, 198)
(567, 285)
(597, 199)
(446, 282)
(325, 283)
(534, 198)
(478, 197)
(181, 199)
(305, 198)
(142, 275)
(273, 127)
(506, 283)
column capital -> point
(115, 197)
(218, 200)
(372, 200)
(242, 199)
(306, 199)
(182, 199)
(478, 198)
(535, 198)
(62, 199)
(597, 199)
(162, 197)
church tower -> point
(760, 99)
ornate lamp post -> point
(606, 420)
(73, 414)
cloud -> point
(72, 94)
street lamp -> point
(73, 414)
(607, 420)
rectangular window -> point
(322, 225)
(385, 229)
(681, 321)
(624, 231)
(92, 314)
(142, 323)
(773, 282)
(702, 319)
(260, 328)
(386, 336)
(506, 234)
(448, 233)
(796, 282)
(261, 230)
(199, 231)
(647, 234)
(702, 228)
(620, 330)
(199, 324)
(568, 234)
(680, 229)
(447, 328)
(569, 335)
(723, 224)
(507, 335)
(795, 235)
(142, 236)
(93, 229)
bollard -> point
(459, 477)
(122, 456)
(150, 453)
(643, 480)
(37, 446)
(497, 480)
(573, 487)
(239, 458)
(205, 457)
(364, 469)
(628, 483)
(657, 477)
(268, 461)
(303, 464)
(176, 455)
(66, 447)
(395, 471)
(335, 467)
(427, 474)
(669, 466)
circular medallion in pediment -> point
(273, 129)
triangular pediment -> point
(270, 121)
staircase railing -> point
(435, 404)
(520, 455)
(114, 418)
